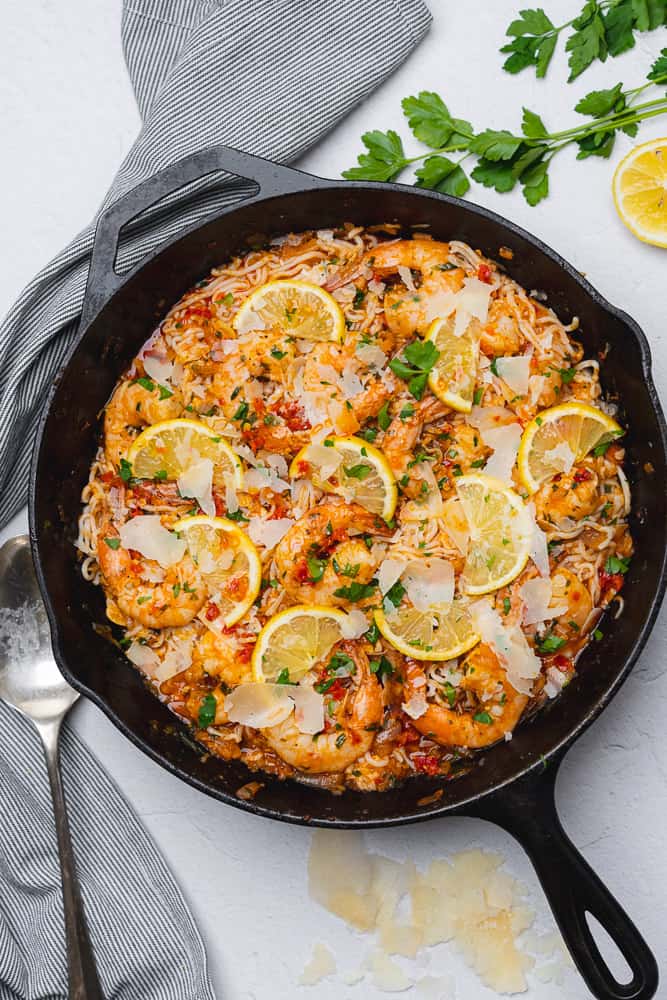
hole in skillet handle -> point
(526, 808)
(144, 204)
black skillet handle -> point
(270, 178)
(527, 810)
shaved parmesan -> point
(259, 705)
(351, 384)
(456, 524)
(536, 596)
(560, 457)
(406, 277)
(355, 624)
(486, 418)
(439, 305)
(265, 478)
(376, 287)
(535, 387)
(433, 503)
(416, 705)
(539, 548)
(371, 355)
(143, 657)
(308, 708)
(509, 644)
(429, 583)
(146, 534)
(505, 443)
(264, 705)
(327, 460)
(268, 533)
(389, 572)
(515, 371)
(197, 481)
(472, 302)
(387, 975)
(556, 681)
(175, 660)
(321, 964)
(157, 368)
(250, 320)
(231, 496)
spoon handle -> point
(82, 973)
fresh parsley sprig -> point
(505, 159)
(602, 28)
(418, 359)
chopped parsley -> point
(357, 471)
(236, 515)
(381, 668)
(207, 711)
(145, 383)
(615, 564)
(359, 297)
(113, 543)
(164, 392)
(241, 412)
(125, 470)
(316, 568)
(383, 416)
(356, 591)
(395, 594)
(550, 643)
(483, 717)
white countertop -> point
(69, 116)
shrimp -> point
(259, 354)
(326, 364)
(224, 657)
(403, 434)
(353, 712)
(410, 310)
(489, 708)
(131, 407)
(318, 556)
(572, 495)
(570, 591)
(500, 335)
(145, 592)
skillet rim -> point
(280, 193)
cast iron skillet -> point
(511, 784)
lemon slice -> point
(229, 564)
(546, 440)
(296, 640)
(640, 191)
(440, 633)
(362, 475)
(298, 308)
(165, 450)
(500, 533)
(453, 377)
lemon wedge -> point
(165, 450)
(546, 440)
(500, 533)
(298, 308)
(440, 633)
(229, 564)
(295, 640)
(453, 377)
(640, 191)
(351, 468)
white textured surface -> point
(68, 118)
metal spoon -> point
(31, 682)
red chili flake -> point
(337, 690)
(484, 273)
(610, 581)
(293, 415)
(111, 478)
(427, 764)
(236, 588)
(303, 468)
(302, 572)
(220, 505)
(562, 662)
(582, 475)
(244, 653)
(212, 612)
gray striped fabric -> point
(146, 944)
(269, 76)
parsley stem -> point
(627, 117)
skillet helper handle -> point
(527, 810)
(270, 178)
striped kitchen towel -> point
(269, 76)
(146, 943)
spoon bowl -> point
(30, 679)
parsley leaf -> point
(532, 125)
(356, 591)
(588, 41)
(494, 145)
(550, 643)
(125, 470)
(381, 668)
(441, 174)
(207, 711)
(357, 471)
(383, 416)
(316, 568)
(483, 717)
(384, 160)
(418, 359)
(615, 564)
(659, 68)
(599, 103)
(431, 122)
